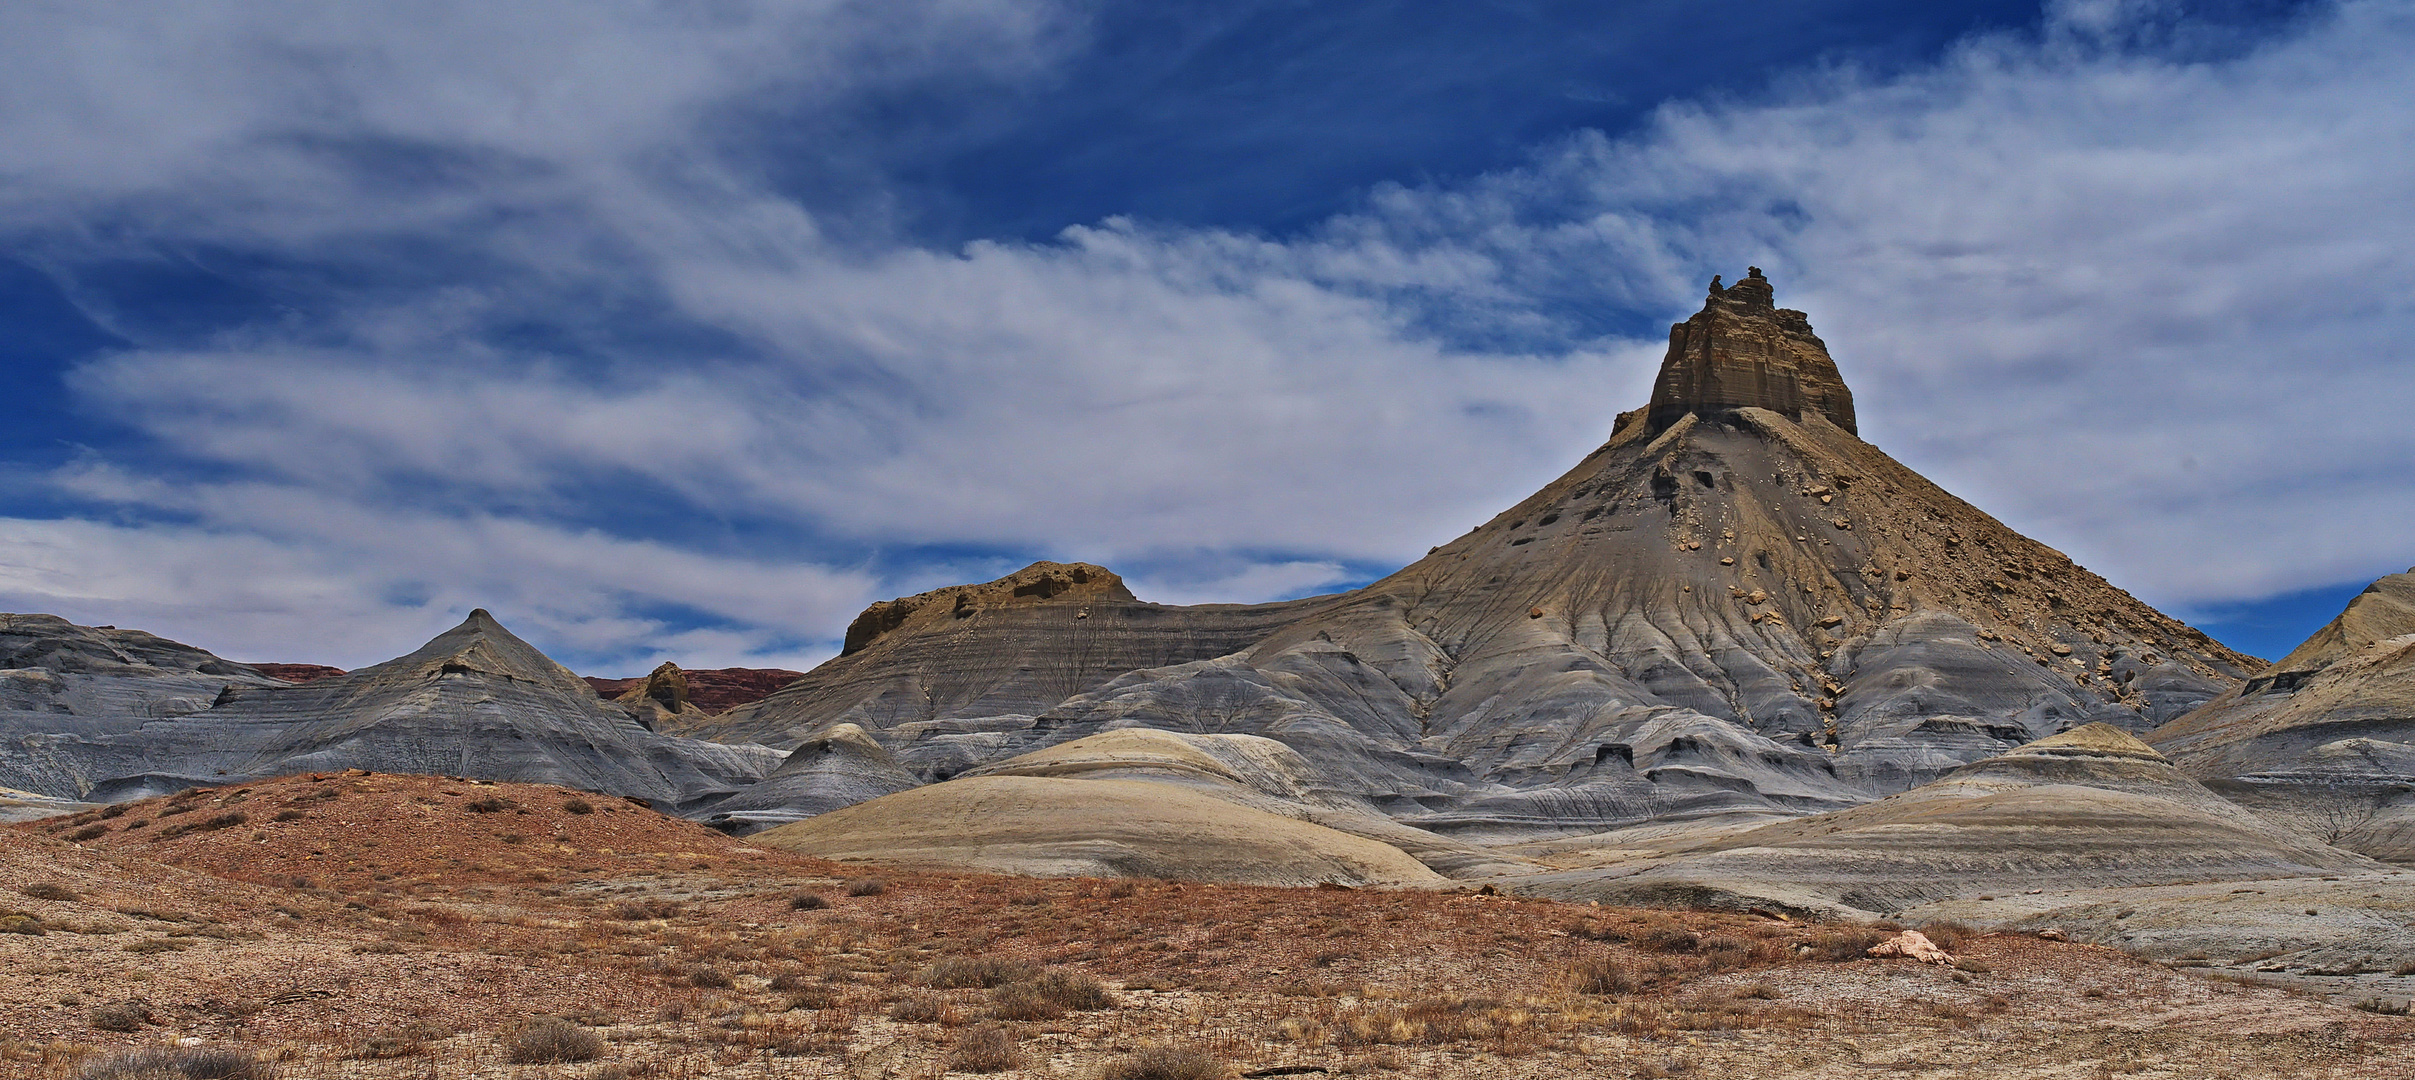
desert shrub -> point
(920, 1009)
(1165, 1063)
(816, 998)
(867, 886)
(579, 806)
(18, 922)
(89, 832)
(178, 1063)
(129, 1015)
(1721, 952)
(1122, 890)
(1073, 990)
(974, 972)
(387, 1045)
(1950, 936)
(793, 980)
(1606, 977)
(490, 804)
(172, 811)
(708, 977)
(1023, 1001)
(110, 811)
(222, 821)
(985, 1049)
(548, 1040)
(638, 910)
(49, 890)
(1851, 943)
(808, 902)
(290, 815)
(1663, 935)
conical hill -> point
(1735, 605)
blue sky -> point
(675, 331)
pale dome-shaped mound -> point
(1056, 827)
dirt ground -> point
(350, 925)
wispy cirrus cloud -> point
(561, 345)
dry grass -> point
(687, 956)
(177, 1063)
(551, 1040)
(985, 1049)
(1166, 1063)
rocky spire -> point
(1743, 351)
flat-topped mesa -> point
(1743, 351)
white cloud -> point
(2145, 308)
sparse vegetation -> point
(551, 1040)
(691, 939)
(89, 832)
(49, 890)
(121, 1016)
(985, 1049)
(177, 1063)
(867, 886)
(578, 806)
(1851, 943)
(1165, 1063)
(1606, 977)
(975, 973)
(490, 804)
(655, 908)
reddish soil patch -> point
(354, 829)
(713, 689)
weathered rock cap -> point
(1040, 583)
(666, 685)
(1743, 351)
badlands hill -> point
(951, 671)
(1733, 607)
(2325, 735)
(2090, 808)
(475, 701)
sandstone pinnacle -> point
(1743, 351)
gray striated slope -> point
(475, 701)
(62, 686)
(2090, 808)
(1735, 606)
(2324, 738)
(940, 664)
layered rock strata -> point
(1733, 607)
(1123, 804)
(2324, 738)
(1742, 351)
(2090, 808)
(476, 701)
(938, 676)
